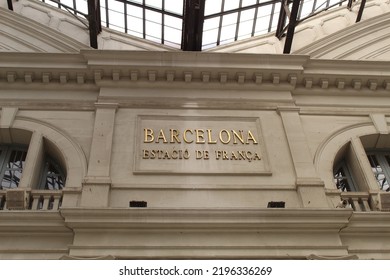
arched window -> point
(347, 174)
(380, 166)
(53, 177)
(13, 161)
(342, 177)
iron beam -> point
(193, 25)
(291, 26)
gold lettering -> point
(210, 138)
(256, 157)
(224, 155)
(166, 155)
(161, 136)
(239, 136)
(148, 135)
(234, 156)
(200, 136)
(198, 154)
(218, 154)
(241, 155)
(175, 136)
(249, 156)
(174, 154)
(185, 136)
(224, 141)
(145, 154)
(251, 137)
(186, 154)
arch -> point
(329, 148)
(368, 39)
(71, 153)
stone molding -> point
(240, 218)
(365, 40)
(125, 68)
(36, 36)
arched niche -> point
(58, 144)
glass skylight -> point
(225, 21)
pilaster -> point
(96, 185)
(309, 185)
(8, 115)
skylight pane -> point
(306, 8)
(116, 6)
(172, 37)
(210, 37)
(246, 23)
(263, 19)
(246, 3)
(172, 30)
(153, 26)
(174, 6)
(154, 3)
(211, 23)
(231, 4)
(82, 6)
(173, 22)
(228, 30)
(212, 7)
(134, 11)
(134, 21)
(116, 20)
(275, 17)
(103, 15)
(153, 17)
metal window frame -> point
(348, 175)
(44, 174)
(193, 17)
(6, 152)
(381, 157)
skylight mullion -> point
(150, 8)
(144, 20)
(255, 19)
(300, 9)
(162, 20)
(125, 16)
(271, 18)
(220, 23)
(75, 7)
(314, 6)
(238, 21)
(107, 17)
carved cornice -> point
(265, 81)
(125, 68)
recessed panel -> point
(200, 145)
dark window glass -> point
(12, 161)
